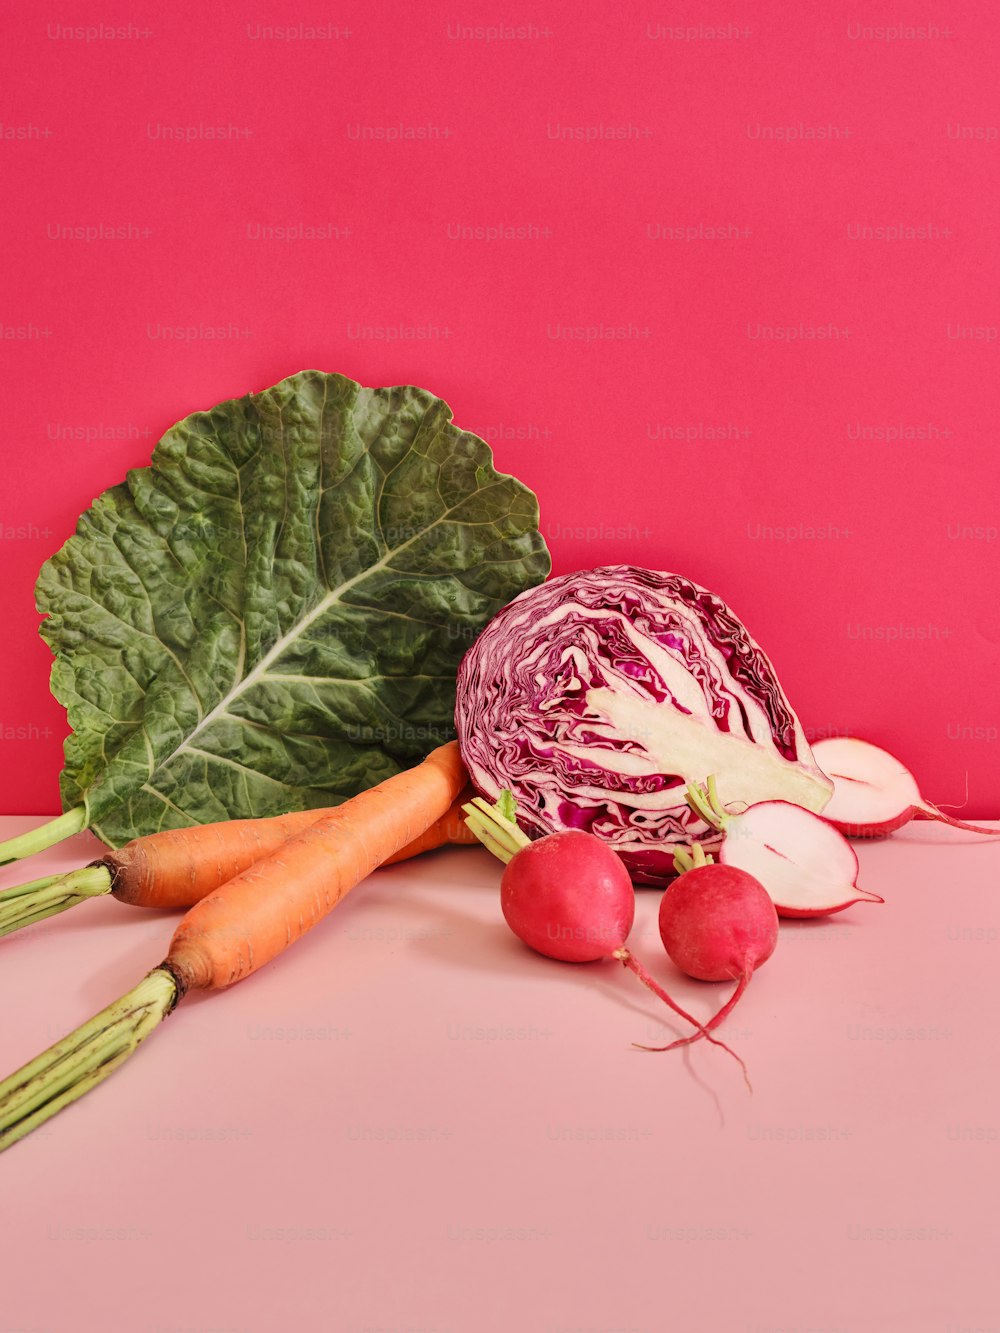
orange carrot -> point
(238, 928)
(178, 867)
(248, 921)
(450, 830)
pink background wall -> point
(795, 411)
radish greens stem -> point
(690, 858)
(705, 802)
(495, 829)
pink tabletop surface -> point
(411, 1123)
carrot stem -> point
(19, 890)
(238, 928)
(37, 839)
(28, 903)
(84, 1058)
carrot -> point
(450, 830)
(178, 867)
(238, 928)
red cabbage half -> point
(596, 697)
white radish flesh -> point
(807, 867)
(873, 793)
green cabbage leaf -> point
(271, 615)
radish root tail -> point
(931, 811)
(629, 961)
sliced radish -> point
(873, 793)
(807, 867)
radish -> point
(717, 923)
(873, 794)
(567, 895)
(807, 867)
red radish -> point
(873, 794)
(717, 923)
(807, 867)
(567, 896)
